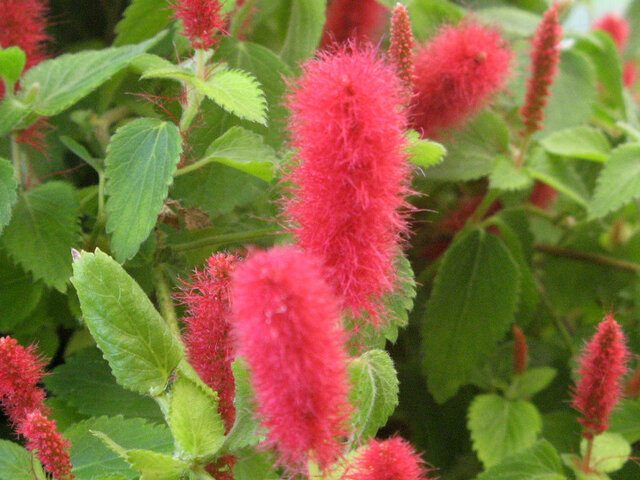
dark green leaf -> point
(82, 152)
(578, 142)
(8, 196)
(305, 29)
(427, 15)
(625, 420)
(244, 431)
(142, 19)
(20, 294)
(506, 176)
(539, 462)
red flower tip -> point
(520, 351)
(202, 20)
(455, 74)
(616, 26)
(358, 21)
(401, 47)
(351, 174)
(51, 447)
(545, 56)
(207, 336)
(287, 327)
(602, 365)
(630, 74)
(391, 459)
(542, 195)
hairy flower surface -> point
(208, 328)
(287, 327)
(616, 26)
(391, 459)
(545, 56)
(602, 365)
(351, 173)
(456, 72)
(202, 20)
(401, 46)
(359, 21)
(23, 24)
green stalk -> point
(16, 159)
(226, 238)
(165, 302)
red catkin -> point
(520, 351)
(357, 21)
(543, 195)
(286, 321)
(350, 175)
(401, 46)
(616, 26)
(202, 21)
(545, 56)
(602, 365)
(23, 24)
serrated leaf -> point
(539, 462)
(85, 382)
(619, 181)
(374, 392)
(141, 160)
(625, 420)
(534, 380)
(142, 19)
(13, 114)
(8, 196)
(578, 142)
(43, 229)
(92, 459)
(255, 465)
(610, 452)
(12, 61)
(195, 421)
(424, 153)
(501, 427)
(20, 294)
(62, 81)
(156, 466)
(471, 308)
(505, 175)
(306, 20)
(237, 92)
(134, 338)
(244, 430)
(15, 462)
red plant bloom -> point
(542, 195)
(359, 21)
(520, 351)
(616, 26)
(23, 24)
(202, 20)
(401, 47)
(602, 365)
(630, 74)
(287, 326)
(351, 174)
(545, 56)
(455, 74)
(391, 459)
(51, 447)
(207, 337)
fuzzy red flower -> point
(23, 24)
(455, 74)
(351, 174)
(202, 20)
(401, 46)
(616, 26)
(545, 56)
(287, 326)
(207, 336)
(359, 21)
(391, 459)
(602, 365)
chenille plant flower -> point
(286, 320)
(401, 46)
(616, 26)
(203, 20)
(350, 175)
(358, 21)
(391, 459)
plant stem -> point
(225, 238)
(486, 203)
(589, 257)
(165, 302)
(194, 98)
(101, 180)
(587, 455)
(194, 166)
(16, 159)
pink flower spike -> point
(286, 321)
(202, 20)
(616, 26)
(391, 459)
(602, 365)
(401, 47)
(357, 21)
(351, 173)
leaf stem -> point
(587, 456)
(486, 203)
(194, 166)
(165, 302)
(225, 238)
(16, 159)
(194, 98)
(589, 257)
(101, 181)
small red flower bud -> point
(520, 351)
(616, 26)
(401, 47)
(202, 21)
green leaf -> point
(62, 81)
(374, 392)
(399, 302)
(505, 175)
(515, 21)
(244, 430)
(424, 153)
(13, 114)
(133, 336)
(8, 196)
(534, 380)
(156, 466)
(92, 459)
(194, 420)
(610, 452)
(304, 31)
(428, 15)
(619, 181)
(625, 420)
(85, 382)
(501, 427)
(12, 61)
(245, 151)
(237, 92)
(578, 142)
(82, 152)
(141, 20)
(141, 160)
(15, 462)
(20, 294)
(47, 215)
(255, 465)
(471, 308)
(539, 462)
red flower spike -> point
(202, 20)
(207, 336)
(630, 74)
(520, 351)
(391, 459)
(357, 21)
(545, 56)
(351, 175)
(52, 449)
(602, 365)
(616, 26)
(287, 327)
(401, 47)
(455, 74)
(542, 195)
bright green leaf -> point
(515, 21)
(13, 114)
(12, 61)
(539, 462)
(47, 216)
(156, 466)
(610, 452)
(133, 336)
(15, 462)
(578, 142)
(244, 430)
(505, 175)
(428, 15)
(141, 20)
(305, 29)
(424, 153)
(141, 160)
(534, 380)
(20, 294)
(8, 196)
